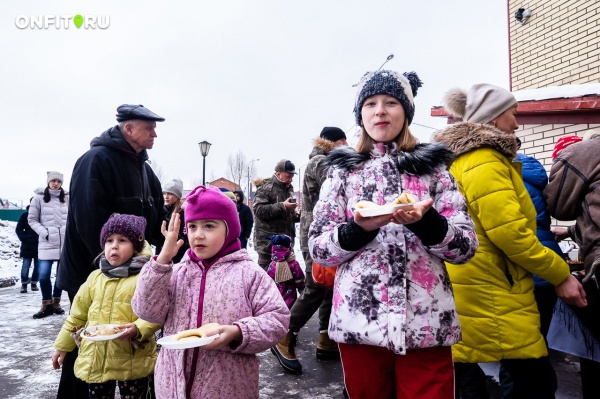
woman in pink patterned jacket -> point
(393, 311)
(216, 282)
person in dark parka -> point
(29, 252)
(111, 177)
(246, 218)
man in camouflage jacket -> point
(274, 209)
(314, 296)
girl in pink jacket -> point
(216, 281)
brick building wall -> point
(558, 45)
(538, 140)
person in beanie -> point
(28, 251)
(105, 298)
(314, 296)
(48, 218)
(246, 218)
(495, 290)
(113, 176)
(217, 282)
(285, 270)
(173, 194)
(393, 313)
(274, 209)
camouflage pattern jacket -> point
(314, 176)
(270, 215)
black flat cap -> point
(128, 112)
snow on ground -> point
(10, 263)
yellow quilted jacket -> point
(103, 300)
(494, 291)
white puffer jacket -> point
(48, 220)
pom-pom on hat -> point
(481, 104)
(130, 226)
(174, 186)
(332, 134)
(51, 175)
(563, 143)
(401, 86)
(210, 203)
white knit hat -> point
(481, 104)
(174, 186)
(54, 175)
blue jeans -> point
(25, 270)
(45, 267)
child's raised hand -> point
(131, 332)
(58, 358)
(228, 333)
(172, 242)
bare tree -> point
(236, 167)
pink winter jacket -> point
(234, 290)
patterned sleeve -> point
(270, 316)
(329, 213)
(150, 301)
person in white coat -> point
(48, 218)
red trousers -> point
(376, 372)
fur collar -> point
(466, 136)
(324, 144)
(422, 160)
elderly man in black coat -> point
(112, 176)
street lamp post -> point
(204, 148)
(249, 186)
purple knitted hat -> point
(130, 226)
(210, 203)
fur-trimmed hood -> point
(422, 160)
(464, 137)
(321, 146)
(259, 181)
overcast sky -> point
(260, 76)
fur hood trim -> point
(324, 144)
(464, 137)
(423, 160)
(260, 181)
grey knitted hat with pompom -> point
(481, 104)
(401, 86)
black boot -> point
(47, 309)
(23, 288)
(34, 286)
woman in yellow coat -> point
(494, 291)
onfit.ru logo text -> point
(62, 21)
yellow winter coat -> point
(494, 291)
(103, 300)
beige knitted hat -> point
(481, 104)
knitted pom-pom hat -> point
(401, 86)
(481, 104)
(130, 226)
(210, 203)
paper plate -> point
(170, 342)
(383, 210)
(101, 337)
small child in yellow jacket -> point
(105, 298)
